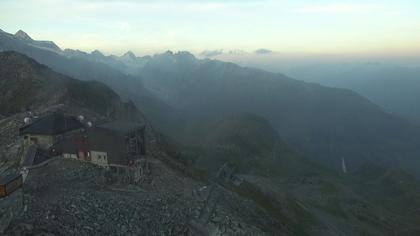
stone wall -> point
(43, 141)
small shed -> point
(9, 184)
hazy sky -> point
(298, 26)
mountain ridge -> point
(301, 112)
(321, 123)
(250, 115)
(34, 86)
(393, 87)
(23, 35)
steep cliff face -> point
(29, 86)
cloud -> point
(339, 8)
(263, 51)
(212, 53)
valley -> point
(229, 150)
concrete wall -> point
(99, 158)
(44, 141)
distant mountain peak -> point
(129, 55)
(23, 35)
(97, 53)
(169, 52)
(72, 52)
(184, 53)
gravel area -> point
(68, 197)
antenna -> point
(343, 165)
(27, 120)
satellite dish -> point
(89, 124)
(80, 118)
(27, 120)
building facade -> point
(117, 143)
(48, 130)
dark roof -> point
(53, 124)
(121, 126)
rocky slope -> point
(27, 85)
(120, 74)
(308, 198)
(30, 89)
(177, 90)
(70, 197)
(283, 195)
(249, 142)
(321, 123)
